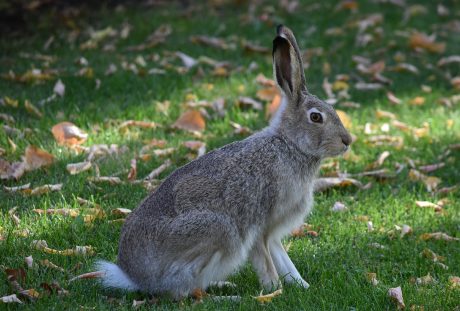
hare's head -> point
(312, 124)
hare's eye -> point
(316, 117)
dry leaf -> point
(14, 103)
(247, 102)
(59, 88)
(393, 99)
(268, 93)
(372, 278)
(49, 264)
(268, 297)
(396, 296)
(428, 253)
(438, 236)
(196, 145)
(121, 211)
(449, 60)
(425, 280)
(431, 167)
(187, 60)
(191, 120)
(437, 207)
(324, 183)
(43, 189)
(32, 109)
(273, 107)
(430, 182)
(213, 41)
(34, 158)
(137, 303)
(29, 261)
(405, 230)
(132, 170)
(379, 114)
(142, 124)
(10, 299)
(58, 211)
(77, 250)
(417, 101)
(11, 171)
(76, 168)
(303, 230)
(338, 207)
(156, 172)
(89, 275)
(362, 86)
(454, 281)
(69, 134)
(113, 180)
(423, 41)
(54, 288)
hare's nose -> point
(346, 139)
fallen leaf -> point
(54, 288)
(14, 103)
(113, 180)
(438, 236)
(156, 172)
(338, 207)
(268, 297)
(59, 88)
(437, 207)
(376, 245)
(196, 145)
(29, 261)
(43, 189)
(119, 211)
(273, 107)
(213, 42)
(76, 168)
(379, 114)
(69, 134)
(89, 275)
(58, 211)
(454, 281)
(417, 101)
(346, 120)
(372, 278)
(77, 250)
(429, 254)
(324, 183)
(425, 280)
(393, 99)
(405, 230)
(247, 102)
(35, 158)
(422, 41)
(449, 60)
(430, 182)
(396, 296)
(362, 86)
(32, 109)
(268, 93)
(49, 264)
(379, 162)
(142, 124)
(431, 167)
(10, 299)
(137, 303)
(11, 171)
(17, 188)
(132, 170)
(187, 60)
(191, 120)
(382, 140)
(301, 231)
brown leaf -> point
(54, 288)
(379, 162)
(77, 168)
(142, 124)
(438, 236)
(393, 99)
(132, 170)
(430, 182)
(454, 281)
(396, 296)
(372, 278)
(68, 134)
(32, 109)
(156, 172)
(43, 189)
(121, 211)
(301, 231)
(89, 275)
(191, 120)
(346, 120)
(429, 254)
(425, 280)
(11, 171)
(264, 81)
(268, 297)
(417, 101)
(252, 47)
(35, 158)
(449, 60)
(49, 264)
(77, 250)
(268, 93)
(422, 41)
(437, 207)
(58, 211)
(113, 180)
(324, 183)
(247, 102)
(196, 145)
(380, 114)
(213, 41)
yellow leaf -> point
(346, 120)
(268, 297)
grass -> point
(336, 262)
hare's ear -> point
(287, 64)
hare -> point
(234, 203)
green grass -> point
(334, 263)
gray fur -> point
(234, 203)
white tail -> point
(114, 277)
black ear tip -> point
(279, 29)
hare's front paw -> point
(303, 283)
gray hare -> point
(234, 203)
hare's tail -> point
(114, 277)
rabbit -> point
(234, 203)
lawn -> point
(412, 113)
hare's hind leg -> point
(263, 264)
(284, 266)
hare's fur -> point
(234, 203)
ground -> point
(337, 250)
